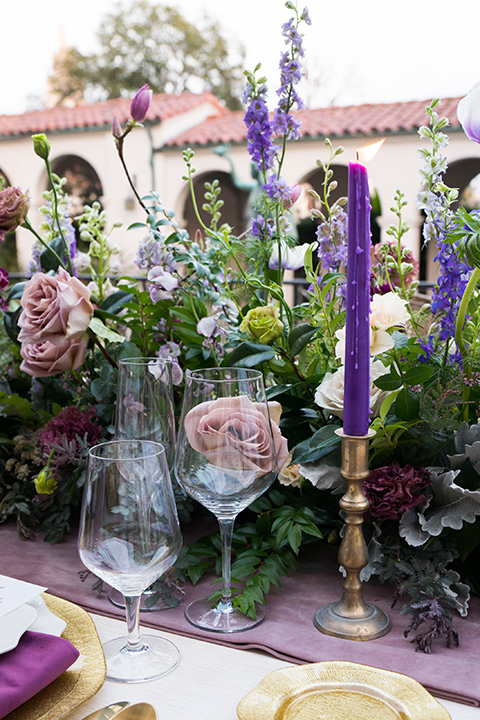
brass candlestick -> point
(351, 617)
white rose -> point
(380, 341)
(330, 392)
(387, 311)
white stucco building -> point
(82, 143)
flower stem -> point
(462, 311)
(57, 219)
(27, 224)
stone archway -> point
(83, 183)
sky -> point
(357, 51)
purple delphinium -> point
(332, 241)
(291, 73)
(278, 189)
(259, 131)
(258, 229)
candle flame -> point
(367, 152)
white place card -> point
(14, 593)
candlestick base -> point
(351, 617)
(373, 625)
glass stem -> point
(226, 531)
(132, 609)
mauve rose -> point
(233, 433)
(55, 308)
(14, 206)
(393, 489)
(45, 359)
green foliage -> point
(263, 551)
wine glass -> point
(225, 458)
(130, 536)
(144, 407)
(144, 411)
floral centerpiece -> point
(219, 299)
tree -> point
(151, 43)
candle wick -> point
(357, 155)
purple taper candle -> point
(356, 409)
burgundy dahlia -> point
(70, 424)
(393, 489)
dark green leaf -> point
(418, 375)
(387, 382)
(299, 338)
(249, 354)
(407, 405)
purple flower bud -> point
(140, 104)
(116, 127)
(295, 193)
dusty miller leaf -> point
(452, 505)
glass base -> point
(117, 599)
(222, 620)
(155, 658)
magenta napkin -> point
(37, 660)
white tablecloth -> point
(207, 685)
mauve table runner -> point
(288, 632)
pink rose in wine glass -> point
(234, 433)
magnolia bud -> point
(140, 104)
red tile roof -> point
(226, 126)
(381, 119)
(99, 115)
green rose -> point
(262, 324)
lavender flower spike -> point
(468, 113)
(140, 104)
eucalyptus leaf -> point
(102, 331)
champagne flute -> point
(225, 458)
(130, 536)
(144, 411)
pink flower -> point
(162, 284)
(55, 308)
(140, 104)
(45, 359)
(71, 423)
(393, 489)
(14, 206)
(234, 433)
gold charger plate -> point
(81, 681)
(339, 691)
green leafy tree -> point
(149, 43)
